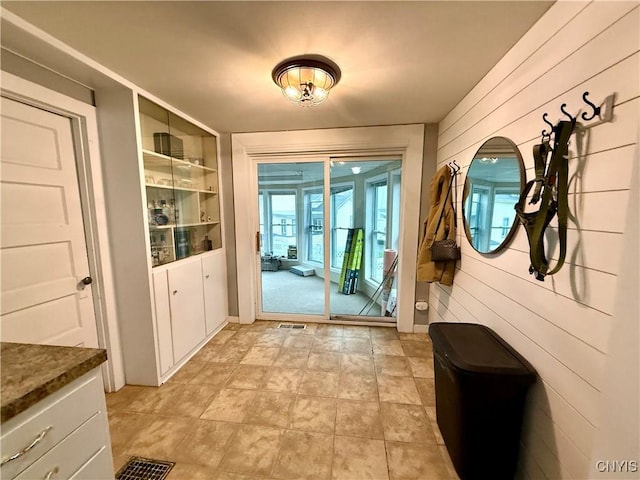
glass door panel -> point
(364, 224)
(291, 223)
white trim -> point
(83, 117)
(419, 328)
(406, 140)
(302, 318)
(327, 224)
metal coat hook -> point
(544, 132)
(596, 109)
(457, 167)
(563, 110)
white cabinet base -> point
(77, 434)
(191, 306)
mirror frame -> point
(515, 223)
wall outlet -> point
(422, 306)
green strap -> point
(557, 175)
(540, 153)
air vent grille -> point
(293, 326)
(138, 468)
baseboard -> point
(420, 328)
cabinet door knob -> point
(175, 291)
(206, 276)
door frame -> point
(94, 210)
(405, 141)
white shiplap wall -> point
(561, 325)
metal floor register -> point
(138, 468)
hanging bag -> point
(445, 250)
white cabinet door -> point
(214, 276)
(163, 320)
(187, 307)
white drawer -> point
(59, 414)
(100, 466)
(71, 455)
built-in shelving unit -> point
(181, 183)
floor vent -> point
(138, 468)
(293, 326)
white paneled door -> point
(46, 291)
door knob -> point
(87, 280)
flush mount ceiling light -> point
(306, 79)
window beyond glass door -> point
(283, 223)
(379, 232)
(277, 213)
(341, 221)
(314, 209)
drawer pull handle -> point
(51, 473)
(25, 450)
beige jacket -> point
(429, 271)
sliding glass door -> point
(365, 218)
(328, 247)
(291, 219)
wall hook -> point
(457, 167)
(544, 132)
(596, 110)
(563, 110)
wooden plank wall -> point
(561, 325)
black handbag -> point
(445, 250)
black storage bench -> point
(481, 386)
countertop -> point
(29, 373)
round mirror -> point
(494, 181)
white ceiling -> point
(401, 62)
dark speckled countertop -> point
(29, 373)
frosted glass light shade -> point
(306, 80)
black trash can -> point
(481, 387)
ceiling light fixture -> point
(356, 170)
(306, 79)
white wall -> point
(562, 325)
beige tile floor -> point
(257, 402)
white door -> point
(43, 253)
